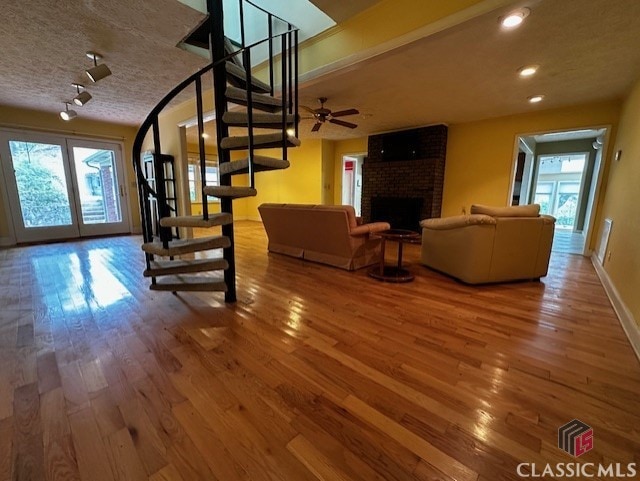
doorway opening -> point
(561, 171)
(352, 181)
(62, 188)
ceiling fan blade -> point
(308, 109)
(342, 113)
(343, 123)
(316, 127)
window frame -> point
(193, 159)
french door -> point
(60, 188)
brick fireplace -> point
(403, 176)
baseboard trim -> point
(627, 321)
(7, 241)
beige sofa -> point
(493, 244)
(322, 233)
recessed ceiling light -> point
(515, 18)
(528, 71)
(534, 99)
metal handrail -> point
(144, 188)
(265, 11)
(148, 122)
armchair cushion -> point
(457, 221)
(531, 210)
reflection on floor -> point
(567, 241)
(316, 373)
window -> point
(559, 199)
(195, 178)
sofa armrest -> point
(370, 228)
(548, 219)
(457, 221)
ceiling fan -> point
(322, 115)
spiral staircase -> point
(243, 103)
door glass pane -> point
(41, 183)
(97, 185)
(567, 203)
(542, 196)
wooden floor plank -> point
(28, 450)
(60, 460)
(315, 461)
(168, 473)
(316, 373)
(6, 444)
(91, 452)
(124, 459)
(55, 423)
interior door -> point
(100, 199)
(39, 186)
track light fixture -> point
(97, 72)
(67, 114)
(82, 97)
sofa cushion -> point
(531, 210)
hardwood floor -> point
(315, 374)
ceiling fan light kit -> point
(323, 114)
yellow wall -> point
(480, 154)
(301, 183)
(621, 205)
(15, 118)
(328, 171)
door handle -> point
(121, 191)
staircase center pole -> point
(216, 48)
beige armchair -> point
(322, 233)
(493, 244)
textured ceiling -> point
(589, 50)
(44, 44)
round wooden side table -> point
(394, 273)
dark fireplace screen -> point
(400, 212)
